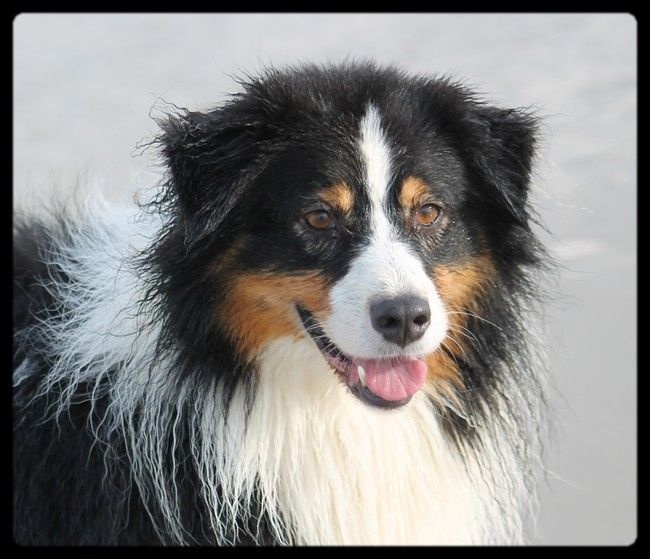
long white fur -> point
(345, 473)
(386, 268)
(330, 469)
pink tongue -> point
(393, 379)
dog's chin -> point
(385, 383)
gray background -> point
(84, 86)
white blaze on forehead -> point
(385, 268)
(376, 157)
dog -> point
(319, 330)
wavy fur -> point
(137, 422)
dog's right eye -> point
(319, 220)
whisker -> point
(467, 334)
(460, 347)
(474, 315)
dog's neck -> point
(340, 472)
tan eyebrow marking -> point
(412, 191)
(339, 196)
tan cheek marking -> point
(460, 287)
(442, 370)
(260, 307)
(413, 190)
(339, 196)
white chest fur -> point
(341, 472)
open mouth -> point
(384, 383)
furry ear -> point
(210, 159)
(502, 153)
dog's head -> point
(370, 211)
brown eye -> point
(427, 214)
(319, 219)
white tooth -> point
(362, 374)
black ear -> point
(502, 153)
(210, 159)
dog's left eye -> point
(320, 220)
(427, 214)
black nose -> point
(401, 320)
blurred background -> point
(84, 86)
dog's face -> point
(367, 218)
